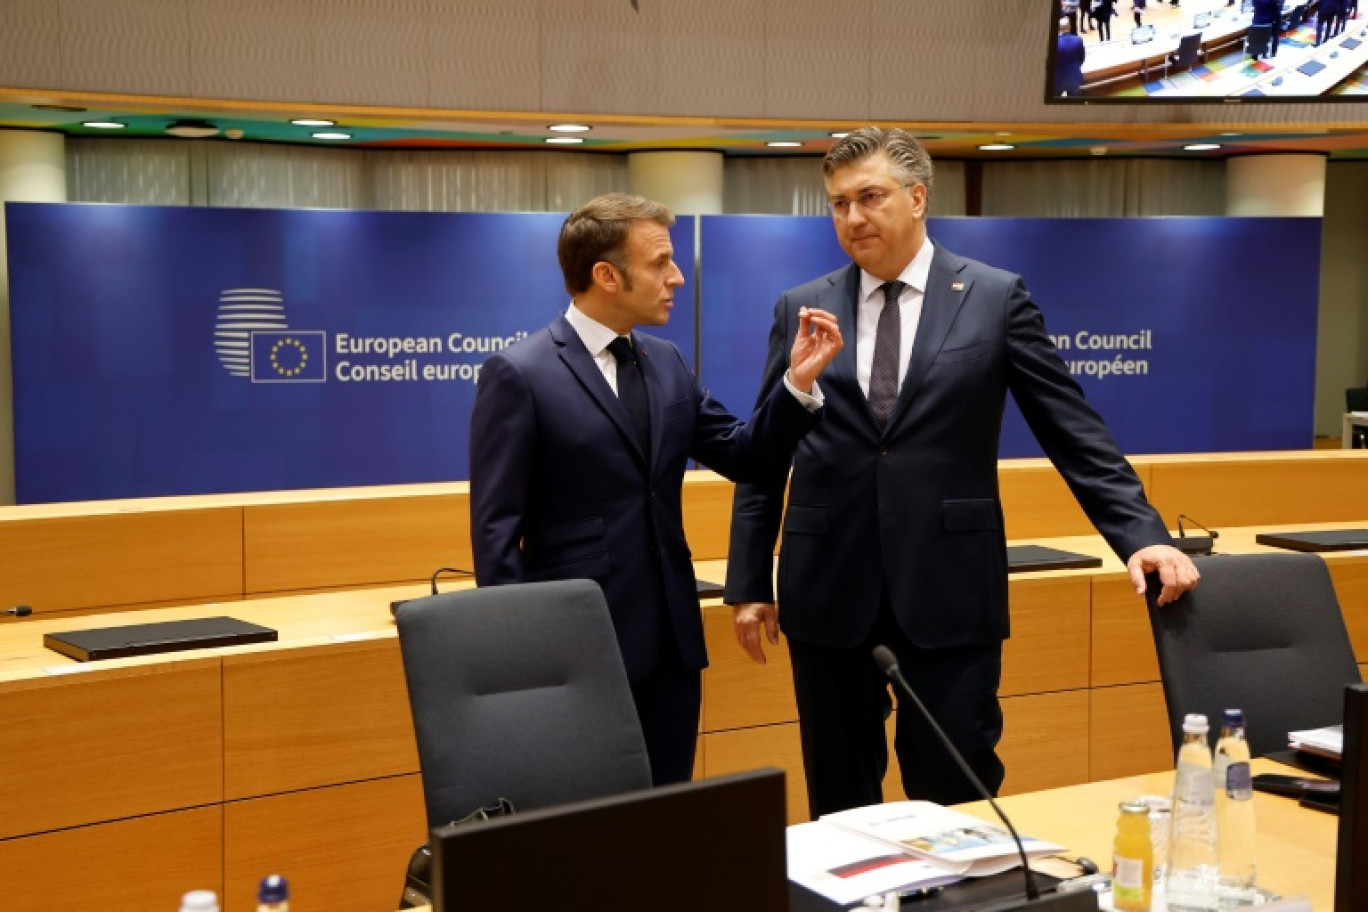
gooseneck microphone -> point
(21, 611)
(888, 664)
(1082, 899)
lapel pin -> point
(957, 286)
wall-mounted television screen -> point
(1206, 50)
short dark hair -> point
(911, 163)
(598, 231)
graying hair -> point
(911, 163)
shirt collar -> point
(915, 274)
(595, 336)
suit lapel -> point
(577, 358)
(947, 285)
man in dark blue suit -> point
(578, 444)
(1069, 57)
(894, 533)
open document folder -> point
(955, 841)
(900, 846)
(846, 867)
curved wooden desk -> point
(216, 767)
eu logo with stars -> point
(289, 356)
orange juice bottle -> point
(1132, 859)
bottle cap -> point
(1233, 718)
(1195, 724)
(200, 901)
(1133, 806)
(273, 889)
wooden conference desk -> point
(1296, 847)
(216, 767)
(82, 558)
(1295, 850)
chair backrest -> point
(1256, 42)
(1356, 399)
(1262, 633)
(519, 692)
(1188, 47)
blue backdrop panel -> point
(176, 350)
(1229, 306)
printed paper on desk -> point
(1328, 742)
(954, 840)
(846, 867)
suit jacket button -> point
(883, 451)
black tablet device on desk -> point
(1021, 558)
(145, 639)
(1329, 540)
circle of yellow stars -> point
(289, 342)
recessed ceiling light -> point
(569, 128)
(839, 135)
(1201, 147)
(191, 129)
(313, 122)
(996, 147)
(784, 144)
(565, 140)
(104, 125)
(330, 135)
(1231, 133)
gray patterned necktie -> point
(883, 376)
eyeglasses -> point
(870, 200)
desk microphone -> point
(20, 611)
(1194, 545)
(1069, 901)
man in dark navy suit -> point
(579, 441)
(1069, 57)
(893, 532)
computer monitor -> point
(1351, 855)
(716, 844)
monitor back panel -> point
(715, 844)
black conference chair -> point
(519, 692)
(1189, 48)
(1258, 40)
(1262, 633)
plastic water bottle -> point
(1190, 883)
(200, 901)
(274, 894)
(1235, 828)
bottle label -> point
(1194, 786)
(1128, 878)
(1238, 782)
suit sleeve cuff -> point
(810, 401)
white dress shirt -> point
(915, 275)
